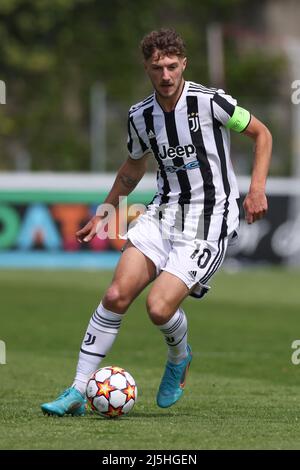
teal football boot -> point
(173, 381)
(70, 402)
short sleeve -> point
(223, 107)
(136, 146)
(228, 113)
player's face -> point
(165, 73)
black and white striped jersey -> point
(197, 190)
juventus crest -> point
(194, 122)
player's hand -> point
(255, 206)
(87, 233)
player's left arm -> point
(255, 203)
(233, 117)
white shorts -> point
(192, 261)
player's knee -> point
(116, 299)
(158, 309)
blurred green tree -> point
(53, 51)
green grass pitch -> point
(242, 390)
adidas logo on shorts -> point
(193, 274)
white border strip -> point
(102, 182)
(66, 181)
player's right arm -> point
(127, 178)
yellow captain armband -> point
(239, 120)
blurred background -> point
(70, 69)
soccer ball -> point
(111, 391)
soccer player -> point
(180, 241)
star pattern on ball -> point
(116, 370)
(104, 388)
(129, 391)
(114, 412)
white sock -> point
(175, 332)
(100, 335)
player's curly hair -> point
(166, 41)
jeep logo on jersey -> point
(194, 122)
(179, 151)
